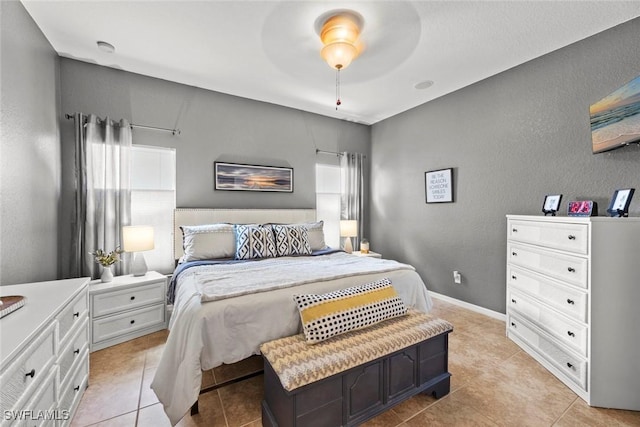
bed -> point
(223, 308)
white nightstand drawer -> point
(571, 269)
(77, 346)
(571, 365)
(121, 324)
(568, 237)
(572, 334)
(568, 300)
(73, 314)
(28, 370)
(127, 299)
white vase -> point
(107, 274)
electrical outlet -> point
(457, 277)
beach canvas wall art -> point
(234, 176)
(615, 119)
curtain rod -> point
(133, 125)
(333, 153)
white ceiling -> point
(269, 50)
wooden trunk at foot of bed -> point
(360, 393)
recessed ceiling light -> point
(424, 85)
(105, 47)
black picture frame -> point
(551, 204)
(245, 177)
(438, 186)
(620, 202)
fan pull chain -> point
(338, 102)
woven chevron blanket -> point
(230, 280)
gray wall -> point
(511, 139)
(29, 150)
(214, 127)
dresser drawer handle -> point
(31, 373)
(570, 301)
(515, 230)
(572, 237)
(76, 314)
(76, 388)
(514, 277)
(76, 351)
(514, 301)
(569, 365)
(514, 325)
(514, 253)
(133, 321)
(571, 334)
(571, 270)
(132, 298)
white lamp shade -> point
(137, 238)
(349, 228)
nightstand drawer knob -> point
(76, 351)
(31, 373)
(76, 388)
(132, 298)
(571, 334)
(513, 324)
(513, 301)
(514, 277)
(570, 301)
(569, 365)
(514, 253)
(572, 237)
(515, 230)
(76, 314)
(571, 270)
(133, 321)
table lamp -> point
(348, 229)
(137, 238)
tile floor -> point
(493, 383)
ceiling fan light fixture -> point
(339, 35)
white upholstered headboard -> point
(187, 216)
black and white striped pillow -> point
(292, 240)
(254, 241)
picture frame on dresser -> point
(620, 202)
(551, 204)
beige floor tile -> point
(583, 415)
(210, 412)
(241, 401)
(155, 345)
(147, 396)
(125, 420)
(386, 419)
(451, 410)
(410, 407)
(153, 416)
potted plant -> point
(106, 260)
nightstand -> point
(370, 254)
(125, 308)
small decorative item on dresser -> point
(106, 260)
(582, 208)
(620, 202)
(10, 303)
(364, 246)
(551, 204)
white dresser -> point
(573, 302)
(45, 353)
(127, 308)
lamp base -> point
(139, 266)
(348, 248)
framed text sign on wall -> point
(439, 186)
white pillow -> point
(315, 232)
(209, 241)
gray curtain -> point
(103, 194)
(352, 191)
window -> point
(153, 199)
(328, 201)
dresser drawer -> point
(571, 365)
(572, 334)
(567, 237)
(568, 300)
(571, 269)
(127, 299)
(73, 314)
(71, 393)
(28, 370)
(42, 405)
(77, 346)
(124, 323)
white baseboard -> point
(469, 306)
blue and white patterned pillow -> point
(292, 240)
(254, 241)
